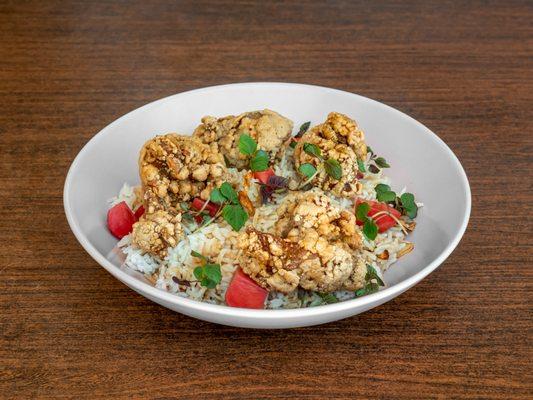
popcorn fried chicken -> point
(173, 169)
(269, 129)
(315, 246)
(338, 138)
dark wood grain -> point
(68, 329)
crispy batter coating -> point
(269, 129)
(338, 138)
(176, 168)
(315, 246)
(274, 263)
(314, 211)
(157, 231)
(173, 169)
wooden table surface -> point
(68, 329)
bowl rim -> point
(222, 310)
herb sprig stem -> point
(380, 214)
(213, 218)
(204, 206)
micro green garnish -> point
(328, 298)
(232, 210)
(235, 215)
(378, 162)
(229, 193)
(372, 282)
(405, 203)
(259, 159)
(408, 205)
(303, 128)
(307, 170)
(217, 196)
(372, 168)
(370, 229)
(187, 217)
(361, 165)
(275, 184)
(313, 150)
(247, 145)
(198, 255)
(206, 219)
(208, 274)
(331, 166)
(384, 193)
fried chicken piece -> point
(315, 246)
(173, 169)
(315, 223)
(274, 263)
(338, 138)
(314, 211)
(269, 129)
(176, 168)
(157, 231)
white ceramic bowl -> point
(418, 158)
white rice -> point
(217, 241)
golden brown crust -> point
(273, 262)
(176, 168)
(315, 246)
(269, 129)
(338, 138)
(173, 169)
(157, 231)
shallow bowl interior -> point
(419, 160)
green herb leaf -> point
(384, 193)
(307, 170)
(408, 204)
(259, 161)
(213, 275)
(185, 206)
(370, 229)
(361, 165)
(371, 273)
(293, 144)
(313, 150)
(370, 286)
(369, 149)
(229, 193)
(187, 217)
(247, 144)
(381, 187)
(381, 162)
(328, 298)
(333, 168)
(199, 273)
(235, 216)
(303, 128)
(198, 255)
(217, 196)
(209, 275)
(361, 211)
(387, 197)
